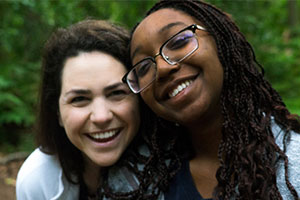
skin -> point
(197, 107)
(94, 100)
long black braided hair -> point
(248, 153)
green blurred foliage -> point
(265, 24)
(25, 25)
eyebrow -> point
(168, 26)
(164, 28)
(85, 91)
(78, 91)
(114, 86)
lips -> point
(104, 136)
(177, 86)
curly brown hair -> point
(248, 152)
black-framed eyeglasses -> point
(174, 50)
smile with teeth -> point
(104, 135)
(179, 88)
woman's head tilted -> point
(84, 106)
(223, 60)
(180, 90)
(193, 66)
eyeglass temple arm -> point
(200, 27)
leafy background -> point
(271, 26)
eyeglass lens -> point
(142, 75)
(179, 47)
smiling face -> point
(186, 92)
(98, 112)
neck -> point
(206, 136)
(92, 176)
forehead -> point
(91, 67)
(162, 17)
(155, 26)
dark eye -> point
(118, 93)
(78, 99)
(143, 68)
(179, 41)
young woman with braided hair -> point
(193, 67)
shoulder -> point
(38, 166)
(40, 177)
(293, 153)
(292, 141)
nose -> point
(164, 69)
(101, 112)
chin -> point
(107, 162)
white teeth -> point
(179, 88)
(104, 135)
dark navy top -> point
(182, 186)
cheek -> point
(70, 123)
(129, 113)
(216, 76)
(72, 119)
(134, 121)
(148, 96)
